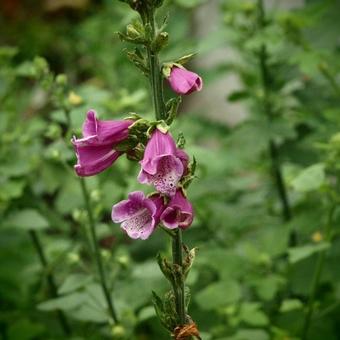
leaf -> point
(28, 219)
(24, 329)
(310, 178)
(290, 304)
(300, 253)
(247, 334)
(74, 282)
(67, 302)
(218, 294)
(238, 95)
(251, 314)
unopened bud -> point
(61, 79)
(118, 332)
(74, 99)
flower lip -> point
(179, 212)
(138, 215)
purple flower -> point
(178, 213)
(162, 165)
(183, 81)
(138, 215)
(95, 151)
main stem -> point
(97, 252)
(156, 82)
(317, 274)
(273, 149)
(179, 290)
(50, 279)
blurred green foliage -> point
(248, 282)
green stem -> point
(97, 254)
(317, 275)
(156, 80)
(179, 289)
(93, 236)
(50, 279)
(273, 149)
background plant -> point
(257, 293)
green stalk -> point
(97, 254)
(273, 149)
(93, 236)
(50, 279)
(317, 274)
(179, 289)
(156, 81)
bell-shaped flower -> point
(95, 151)
(184, 82)
(178, 213)
(138, 215)
(161, 165)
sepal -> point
(137, 58)
(160, 41)
(180, 143)
(172, 108)
(188, 260)
(190, 175)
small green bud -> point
(118, 332)
(95, 195)
(61, 79)
(132, 32)
(123, 260)
(73, 258)
(160, 41)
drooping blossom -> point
(178, 213)
(183, 81)
(95, 151)
(138, 215)
(163, 164)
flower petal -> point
(138, 215)
(160, 144)
(125, 209)
(105, 131)
(183, 81)
(179, 212)
(93, 159)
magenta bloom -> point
(138, 215)
(178, 213)
(183, 81)
(95, 151)
(162, 165)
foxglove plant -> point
(163, 164)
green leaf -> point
(247, 334)
(238, 95)
(250, 314)
(218, 294)
(24, 330)
(301, 253)
(290, 304)
(310, 178)
(67, 302)
(74, 282)
(28, 219)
